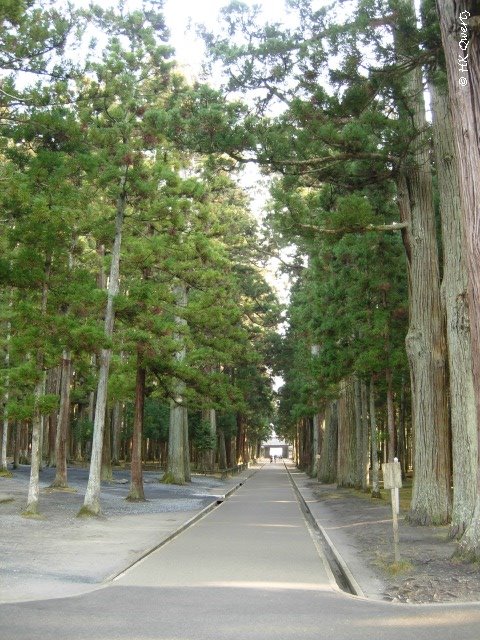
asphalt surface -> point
(250, 569)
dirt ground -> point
(427, 572)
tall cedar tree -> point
(460, 28)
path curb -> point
(347, 581)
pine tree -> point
(113, 106)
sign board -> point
(392, 475)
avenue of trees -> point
(137, 322)
(378, 190)
(135, 315)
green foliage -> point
(124, 122)
(202, 436)
(82, 429)
(156, 419)
(227, 422)
(352, 211)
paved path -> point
(248, 571)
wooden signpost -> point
(392, 479)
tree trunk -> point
(364, 459)
(186, 446)
(176, 472)
(136, 493)
(360, 469)
(31, 509)
(52, 437)
(347, 453)
(327, 470)
(53, 387)
(240, 439)
(460, 28)
(373, 442)
(6, 395)
(63, 424)
(213, 433)
(222, 450)
(207, 457)
(425, 341)
(392, 453)
(315, 350)
(91, 504)
(16, 451)
(402, 440)
(106, 473)
(317, 421)
(3, 463)
(454, 297)
(117, 429)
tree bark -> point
(402, 440)
(116, 428)
(317, 421)
(373, 443)
(327, 471)
(16, 452)
(31, 509)
(6, 395)
(63, 424)
(91, 504)
(347, 452)
(53, 386)
(136, 493)
(364, 459)
(208, 456)
(222, 450)
(240, 439)
(186, 446)
(390, 416)
(213, 432)
(460, 28)
(454, 298)
(358, 432)
(106, 473)
(176, 472)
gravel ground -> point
(60, 554)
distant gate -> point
(275, 450)
(276, 447)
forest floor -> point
(427, 571)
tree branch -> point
(341, 157)
(395, 226)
